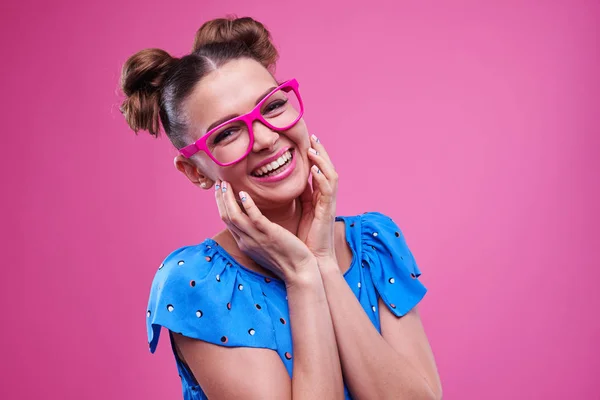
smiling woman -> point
(288, 295)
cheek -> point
(234, 173)
(299, 134)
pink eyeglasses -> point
(231, 141)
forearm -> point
(372, 368)
(317, 371)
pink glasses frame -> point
(248, 119)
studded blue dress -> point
(201, 292)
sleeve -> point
(392, 267)
(196, 292)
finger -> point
(234, 212)
(321, 184)
(318, 146)
(235, 235)
(253, 213)
(220, 205)
(223, 209)
(324, 166)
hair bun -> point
(142, 77)
(246, 30)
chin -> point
(281, 195)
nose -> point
(264, 138)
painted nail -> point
(316, 169)
(223, 187)
(243, 196)
(217, 187)
(316, 139)
(316, 153)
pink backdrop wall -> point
(481, 139)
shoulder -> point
(374, 220)
(181, 264)
(180, 272)
(388, 260)
(371, 228)
(384, 243)
(378, 231)
(198, 292)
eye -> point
(274, 105)
(227, 133)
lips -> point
(273, 167)
(277, 174)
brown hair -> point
(156, 84)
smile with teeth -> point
(274, 167)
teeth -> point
(265, 169)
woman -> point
(289, 301)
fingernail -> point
(217, 187)
(316, 169)
(313, 137)
(316, 153)
(223, 187)
(243, 196)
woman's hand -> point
(267, 243)
(316, 227)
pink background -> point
(479, 128)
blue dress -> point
(201, 292)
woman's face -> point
(234, 89)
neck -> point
(286, 216)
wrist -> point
(305, 275)
(328, 265)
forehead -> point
(231, 89)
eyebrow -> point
(231, 116)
